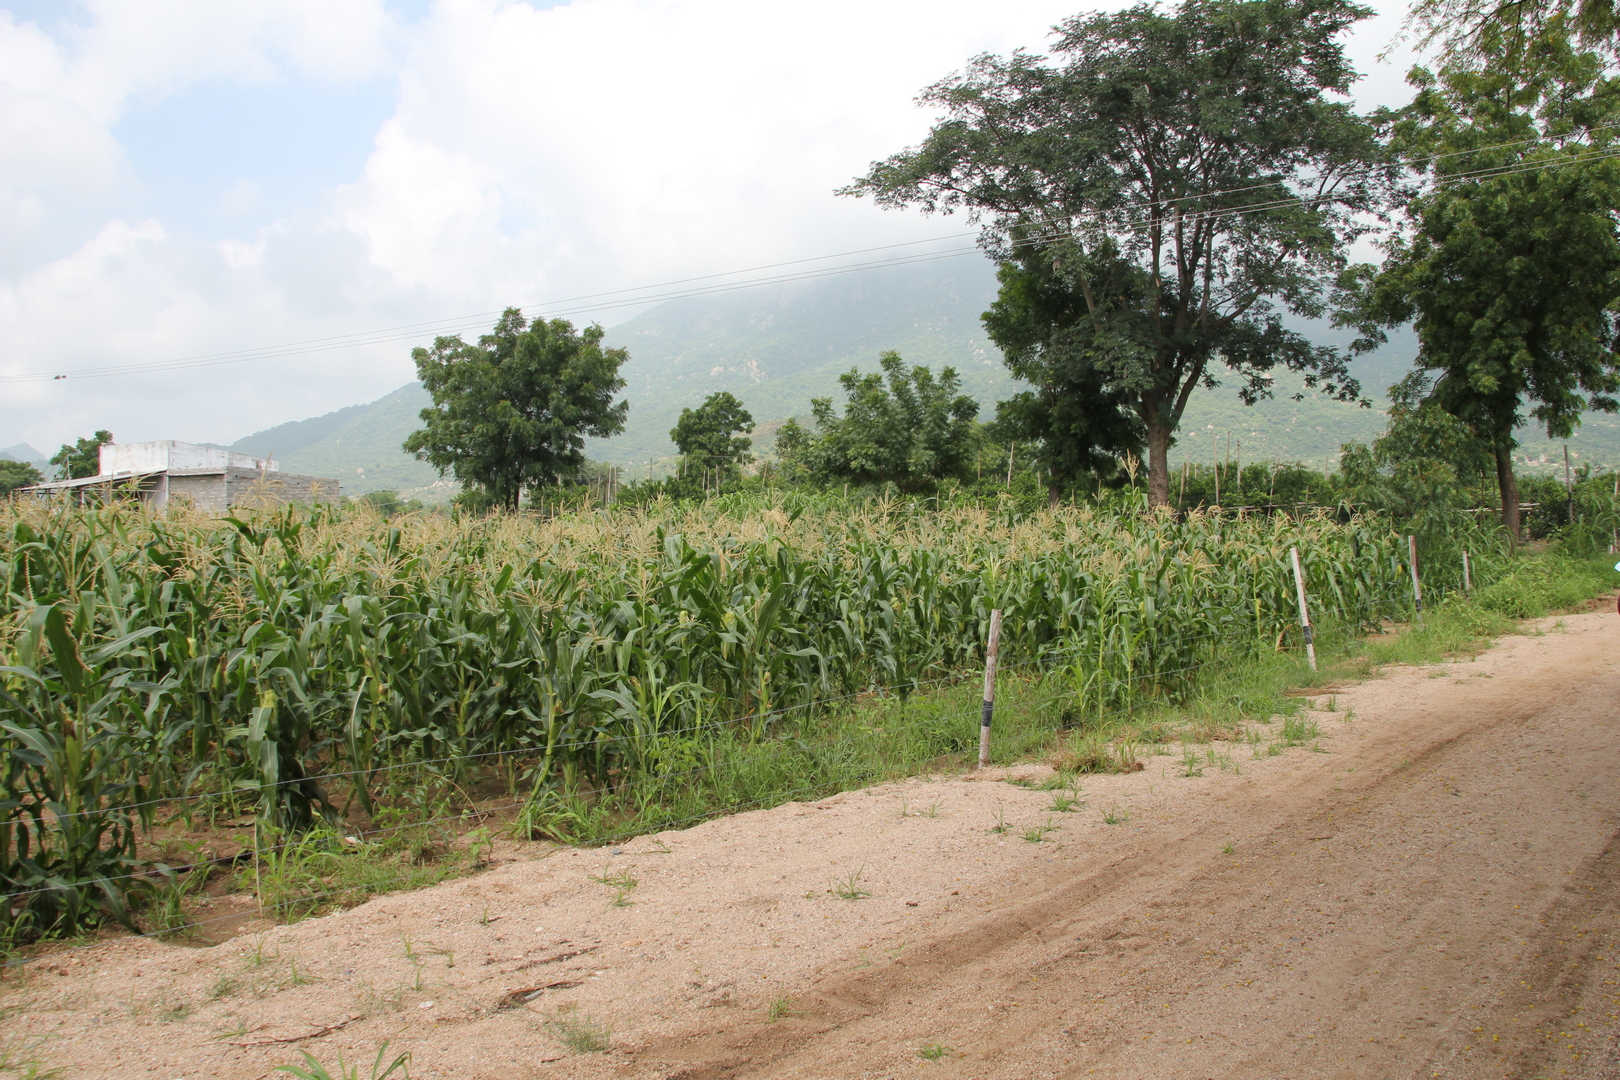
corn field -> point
(286, 662)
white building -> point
(207, 477)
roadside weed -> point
(580, 1034)
(622, 883)
(849, 886)
(1037, 833)
(312, 1069)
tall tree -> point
(901, 426)
(80, 458)
(1190, 174)
(1509, 261)
(511, 412)
(715, 434)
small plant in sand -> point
(580, 1034)
(849, 886)
(312, 1069)
(1064, 802)
(1036, 833)
(622, 883)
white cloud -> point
(532, 154)
(614, 142)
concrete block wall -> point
(249, 488)
(205, 492)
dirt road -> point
(1432, 888)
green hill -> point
(778, 346)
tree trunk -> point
(1158, 436)
(1508, 487)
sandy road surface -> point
(1432, 890)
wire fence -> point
(1048, 663)
(475, 814)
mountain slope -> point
(778, 346)
(27, 455)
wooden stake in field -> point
(991, 649)
(1304, 612)
(1468, 581)
(1011, 447)
(1417, 587)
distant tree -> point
(1189, 173)
(792, 442)
(1421, 470)
(1509, 265)
(82, 458)
(901, 426)
(17, 474)
(390, 504)
(511, 413)
(715, 434)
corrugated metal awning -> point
(90, 481)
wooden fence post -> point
(1304, 613)
(992, 648)
(1417, 587)
(1468, 581)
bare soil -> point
(1431, 888)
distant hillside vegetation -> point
(776, 347)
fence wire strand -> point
(1051, 661)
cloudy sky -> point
(265, 205)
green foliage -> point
(902, 426)
(1079, 420)
(81, 458)
(512, 412)
(1424, 471)
(300, 663)
(389, 503)
(16, 474)
(312, 1069)
(1505, 31)
(1187, 175)
(714, 436)
(1510, 265)
(1283, 485)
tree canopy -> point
(1509, 263)
(1421, 470)
(715, 434)
(511, 413)
(1077, 419)
(17, 474)
(81, 458)
(1189, 174)
(1472, 33)
(901, 426)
